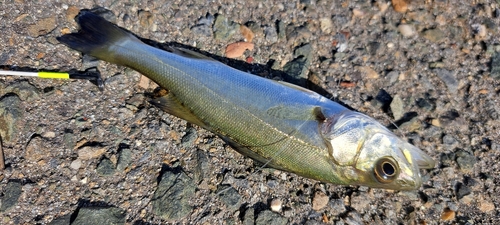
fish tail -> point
(98, 37)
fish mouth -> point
(418, 157)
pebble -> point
(281, 30)
(400, 6)
(358, 13)
(190, 137)
(480, 30)
(89, 152)
(268, 217)
(124, 158)
(393, 76)
(144, 82)
(434, 35)
(276, 205)
(62, 220)
(397, 106)
(426, 103)
(99, 215)
(271, 34)
(407, 30)
(24, 90)
(223, 28)
(462, 190)
(145, 19)
(326, 25)
(229, 196)
(448, 215)
(171, 198)
(76, 164)
(447, 160)
(337, 206)
(10, 117)
(486, 206)
(449, 78)
(368, 72)
(204, 26)
(202, 168)
(34, 148)
(495, 66)
(449, 142)
(413, 125)
(42, 26)
(105, 167)
(341, 39)
(49, 134)
(237, 49)
(353, 218)
(465, 160)
(247, 33)
(71, 13)
(10, 195)
(320, 201)
(249, 217)
(296, 35)
(298, 68)
(382, 6)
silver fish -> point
(279, 124)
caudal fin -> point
(97, 37)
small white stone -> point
(49, 134)
(326, 25)
(407, 30)
(276, 205)
(76, 164)
(390, 45)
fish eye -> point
(386, 170)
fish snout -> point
(418, 157)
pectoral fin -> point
(170, 104)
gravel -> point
(74, 154)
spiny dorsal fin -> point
(170, 104)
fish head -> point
(368, 154)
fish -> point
(278, 124)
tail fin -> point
(96, 37)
